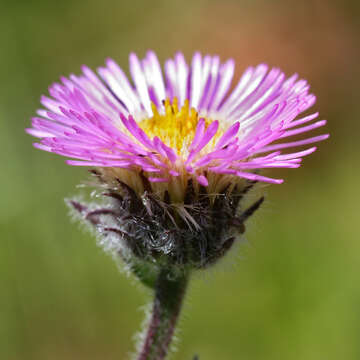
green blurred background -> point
(292, 292)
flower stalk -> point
(169, 294)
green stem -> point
(169, 294)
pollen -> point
(175, 126)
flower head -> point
(179, 145)
(186, 125)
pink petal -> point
(202, 180)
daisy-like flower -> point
(176, 149)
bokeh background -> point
(291, 292)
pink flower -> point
(178, 124)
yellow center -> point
(175, 127)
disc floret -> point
(173, 126)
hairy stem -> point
(169, 294)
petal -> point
(140, 82)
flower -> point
(190, 126)
(176, 150)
